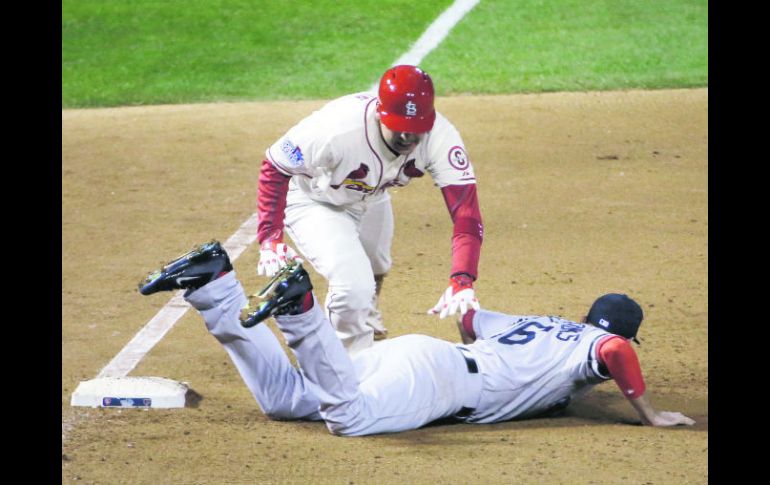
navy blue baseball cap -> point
(618, 314)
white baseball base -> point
(130, 392)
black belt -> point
(473, 368)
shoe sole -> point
(249, 318)
(150, 284)
(267, 292)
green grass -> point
(134, 52)
(150, 52)
(575, 45)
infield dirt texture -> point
(581, 194)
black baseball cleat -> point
(283, 295)
(204, 263)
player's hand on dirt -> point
(458, 296)
(274, 255)
(670, 418)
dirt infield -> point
(581, 194)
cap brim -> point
(408, 124)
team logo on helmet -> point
(411, 109)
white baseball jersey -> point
(518, 367)
(532, 365)
(335, 158)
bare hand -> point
(670, 418)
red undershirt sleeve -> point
(622, 364)
(271, 202)
(463, 205)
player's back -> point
(534, 365)
(339, 117)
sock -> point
(220, 275)
(307, 302)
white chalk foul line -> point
(434, 34)
(164, 320)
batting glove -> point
(459, 295)
(274, 255)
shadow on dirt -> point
(192, 399)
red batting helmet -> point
(406, 100)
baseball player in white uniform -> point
(325, 184)
(508, 367)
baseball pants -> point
(400, 384)
(347, 246)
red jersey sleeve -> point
(271, 202)
(463, 205)
(622, 364)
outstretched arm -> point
(622, 364)
(463, 206)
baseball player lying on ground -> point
(509, 367)
(325, 182)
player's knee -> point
(335, 429)
(345, 419)
(342, 429)
(279, 414)
(278, 409)
(275, 416)
(360, 298)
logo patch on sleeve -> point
(458, 158)
(293, 153)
